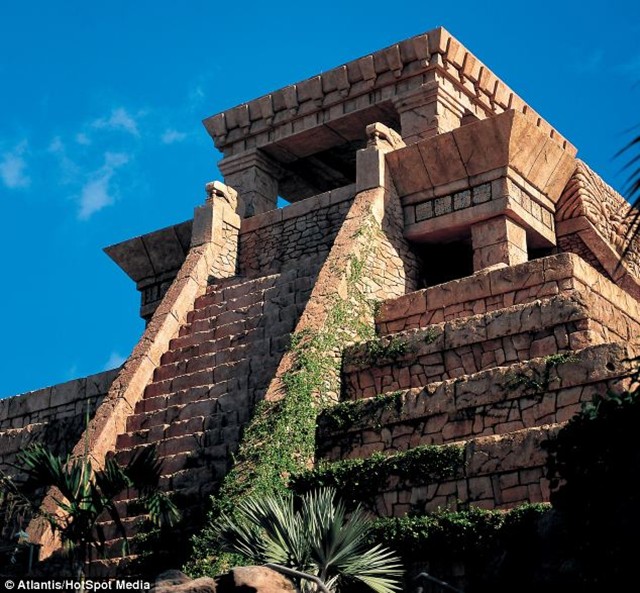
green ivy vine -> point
(279, 440)
(369, 411)
(360, 481)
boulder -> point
(174, 581)
(254, 579)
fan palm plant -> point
(317, 538)
(85, 494)
(632, 188)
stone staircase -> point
(202, 394)
(497, 375)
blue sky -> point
(101, 137)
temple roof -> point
(331, 103)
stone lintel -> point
(153, 254)
(510, 139)
(152, 261)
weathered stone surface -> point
(495, 361)
(594, 221)
(341, 96)
(254, 579)
(174, 581)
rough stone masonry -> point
(497, 264)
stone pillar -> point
(428, 111)
(371, 171)
(255, 177)
(217, 223)
(498, 240)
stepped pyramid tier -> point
(465, 281)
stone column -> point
(498, 240)
(255, 177)
(428, 111)
(217, 223)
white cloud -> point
(196, 97)
(119, 120)
(115, 360)
(98, 192)
(72, 372)
(69, 168)
(13, 167)
(83, 139)
(170, 136)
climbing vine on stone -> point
(280, 438)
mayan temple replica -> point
(446, 276)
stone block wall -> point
(492, 290)
(53, 416)
(493, 363)
(457, 348)
(299, 235)
(494, 401)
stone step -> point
(205, 477)
(243, 294)
(494, 401)
(232, 287)
(206, 377)
(214, 329)
(492, 472)
(499, 472)
(193, 442)
(158, 432)
(493, 289)
(205, 448)
(204, 347)
(111, 530)
(228, 338)
(208, 360)
(223, 313)
(460, 347)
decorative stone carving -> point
(603, 219)
(217, 189)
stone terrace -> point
(517, 356)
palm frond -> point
(86, 494)
(632, 187)
(162, 511)
(144, 470)
(111, 480)
(318, 539)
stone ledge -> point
(488, 402)
(499, 471)
(495, 289)
(57, 396)
(298, 209)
